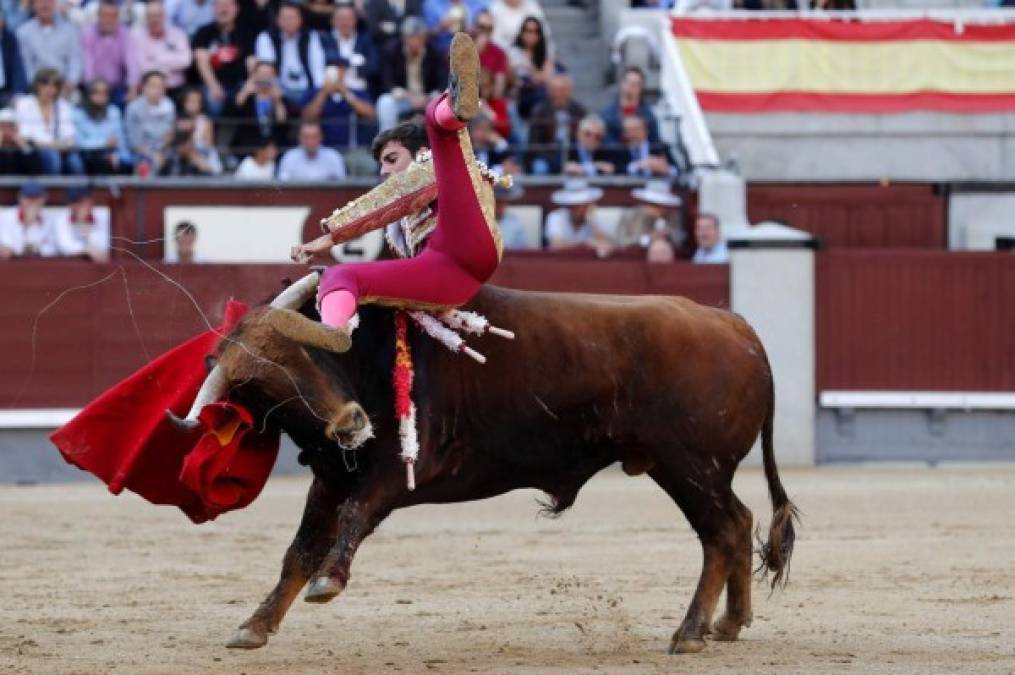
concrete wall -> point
(774, 290)
(919, 146)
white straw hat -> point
(657, 192)
(575, 193)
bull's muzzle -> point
(351, 428)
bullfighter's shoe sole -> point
(463, 84)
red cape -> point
(124, 438)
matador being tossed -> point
(462, 246)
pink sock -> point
(445, 117)
(337, 308)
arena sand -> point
(897, 570)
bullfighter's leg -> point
(360, 514)
(706, 508)
(316, 535)
(738, 587)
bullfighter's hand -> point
(299, 255)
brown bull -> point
(661, 384)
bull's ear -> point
(299, 328)
(210, 362)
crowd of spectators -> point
(292, 90)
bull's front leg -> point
(363, 511)
(316, 535)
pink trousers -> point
(460, 254)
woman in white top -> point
(81, 231)
(532, 63)
(46, 121)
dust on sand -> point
(897, 570)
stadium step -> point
(582, 49)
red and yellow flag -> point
(847, 65)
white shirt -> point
(38, 237)
(718, 254)
(33, 127)
(346, 49)
(74, 240)
(559, 228)
(290, 68)
(507, 20)
(251, 170)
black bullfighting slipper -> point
(463, 83)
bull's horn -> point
(298, 292)
(299, 328)
(212, 389)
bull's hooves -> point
(725, 630)
(322, 590)
(247, 638)
(687, 646)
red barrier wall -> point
(89, 338)
(856, 216)
(915, 320)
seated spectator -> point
(711, 245)
(185, 238)
(260, 110)
(109, 53)
(642, 157)
(46, 121)
(193, 151)
(190, 15)
(492, 59)
(508, 16)
(629, 103)
(150, 124)
(588, 156)
(363, 73)
(309, 161)
(25, 231)
(657, 216)
(260, 164)
(574, 225)
(12, 70)
(50, 41)
(223, 56)
(163, 47)
(346, 115)
(384, 19)
(412, 71)
(496, 109)
(488, 146)
(15, 151)
(532, 63)
(552, 126)
(298, 54)
(512, 231)
(444, 18)
(81, 231)
(99, 127)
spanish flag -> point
(848, 65)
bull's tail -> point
(777, 551)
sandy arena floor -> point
(897, 570)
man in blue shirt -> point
(309, 161)
(347, 116)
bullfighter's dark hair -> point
(411, 135)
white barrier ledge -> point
(36, 418)
(955, 400)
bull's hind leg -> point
(315, 536)
(738, 587)
(706, 504)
